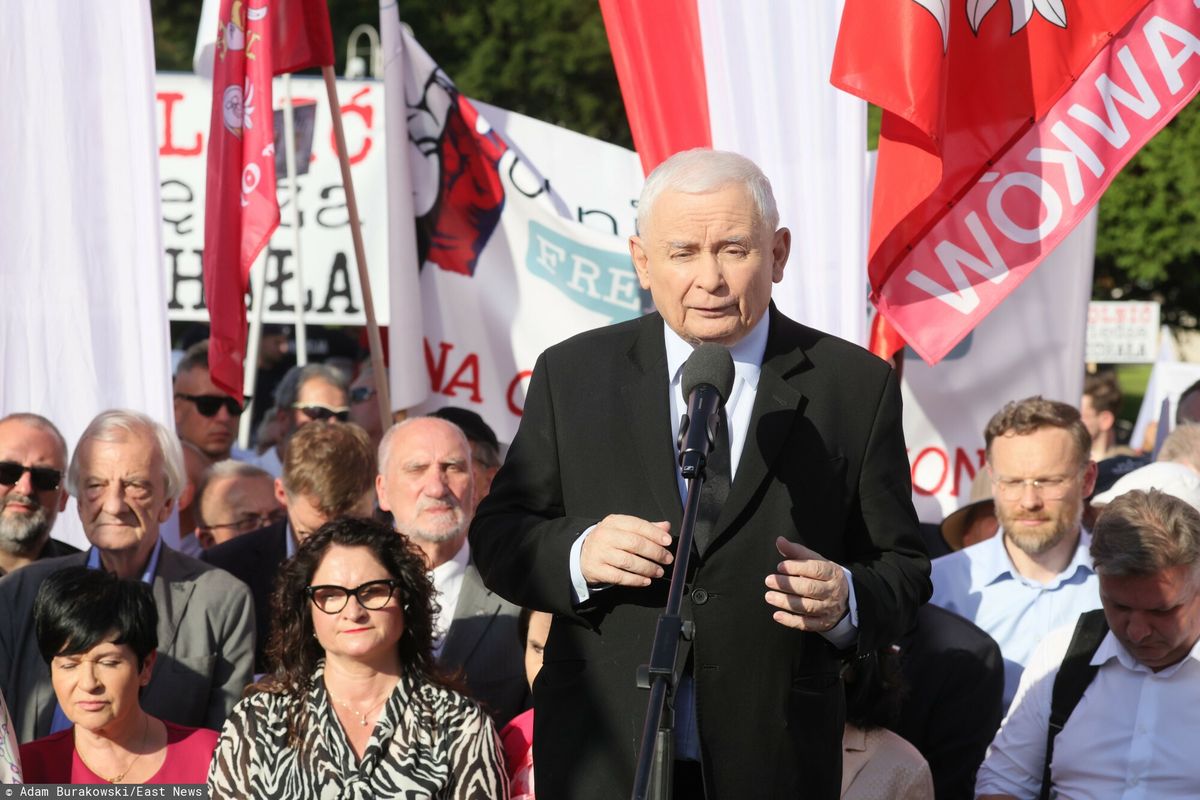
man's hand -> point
(812, 592)
(625, 551)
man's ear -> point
(781, 246)
(205, 538)
(641, 260)
(1107, 420)
(381, 492)
(281, 493)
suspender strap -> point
(1072, 681)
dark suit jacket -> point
(955, 675)
(483, 643)
(255, 558)
(824, 464)
(205, 645)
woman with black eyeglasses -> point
(356, 706)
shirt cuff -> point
(844, 635)
(579, 588)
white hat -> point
(1177, 480)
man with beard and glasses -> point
(425, 480)
(33, 457)
(1037, 574)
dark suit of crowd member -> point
(823, 465)
(126, 473)
(955, 677)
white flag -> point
(84, 326)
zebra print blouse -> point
(429, 742)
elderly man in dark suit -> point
(426, 481)
(126, 474)
(813, 555)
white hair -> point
(117, 423)
(701, 171)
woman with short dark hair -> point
(99, 635)
(356, 706)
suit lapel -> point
(474, 602)
(777, 405)
(648, 410)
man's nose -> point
(1137, 629)
(709, 275)
(113, 499)
(24, 484)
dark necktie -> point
(717, 479)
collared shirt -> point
(980, 583)
(447, 585)
(1132, 735)
(60, 721)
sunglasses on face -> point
(209, 404)
(319, 413)
(44, 479)
(372, 595)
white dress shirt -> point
(447, 584)
(1132, 736)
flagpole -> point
(289, 145)
(360, 254)
(250, 368)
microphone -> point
(707, 380)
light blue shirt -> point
(980, 583)
(747, 365)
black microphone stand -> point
(656, 754)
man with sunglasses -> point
(205, 416)
(312, 393)
(33, 457)
(1036, 574)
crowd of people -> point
(327, 627)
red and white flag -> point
(1003, 124)
(256, 40)
(752, 77)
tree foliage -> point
(547, 59)
(1148, 244)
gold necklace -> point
(120, 776)
(362, 718)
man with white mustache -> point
(425, 480)
(1036, 574)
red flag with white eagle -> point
(1003, 123)
(256, 40)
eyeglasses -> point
(44, 479)
(320, 413)
(209, 404)
(372, 595)
(1054, 488)
(250, 522)
(361, 394)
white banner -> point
(84, 327)
(1033, 344)
(482, 332)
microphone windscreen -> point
(709, 363)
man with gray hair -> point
(807, 548)
(126, 475)
(33, 457)
(426, 481)
(235, 498)
(312, 393)
(1127, 726)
